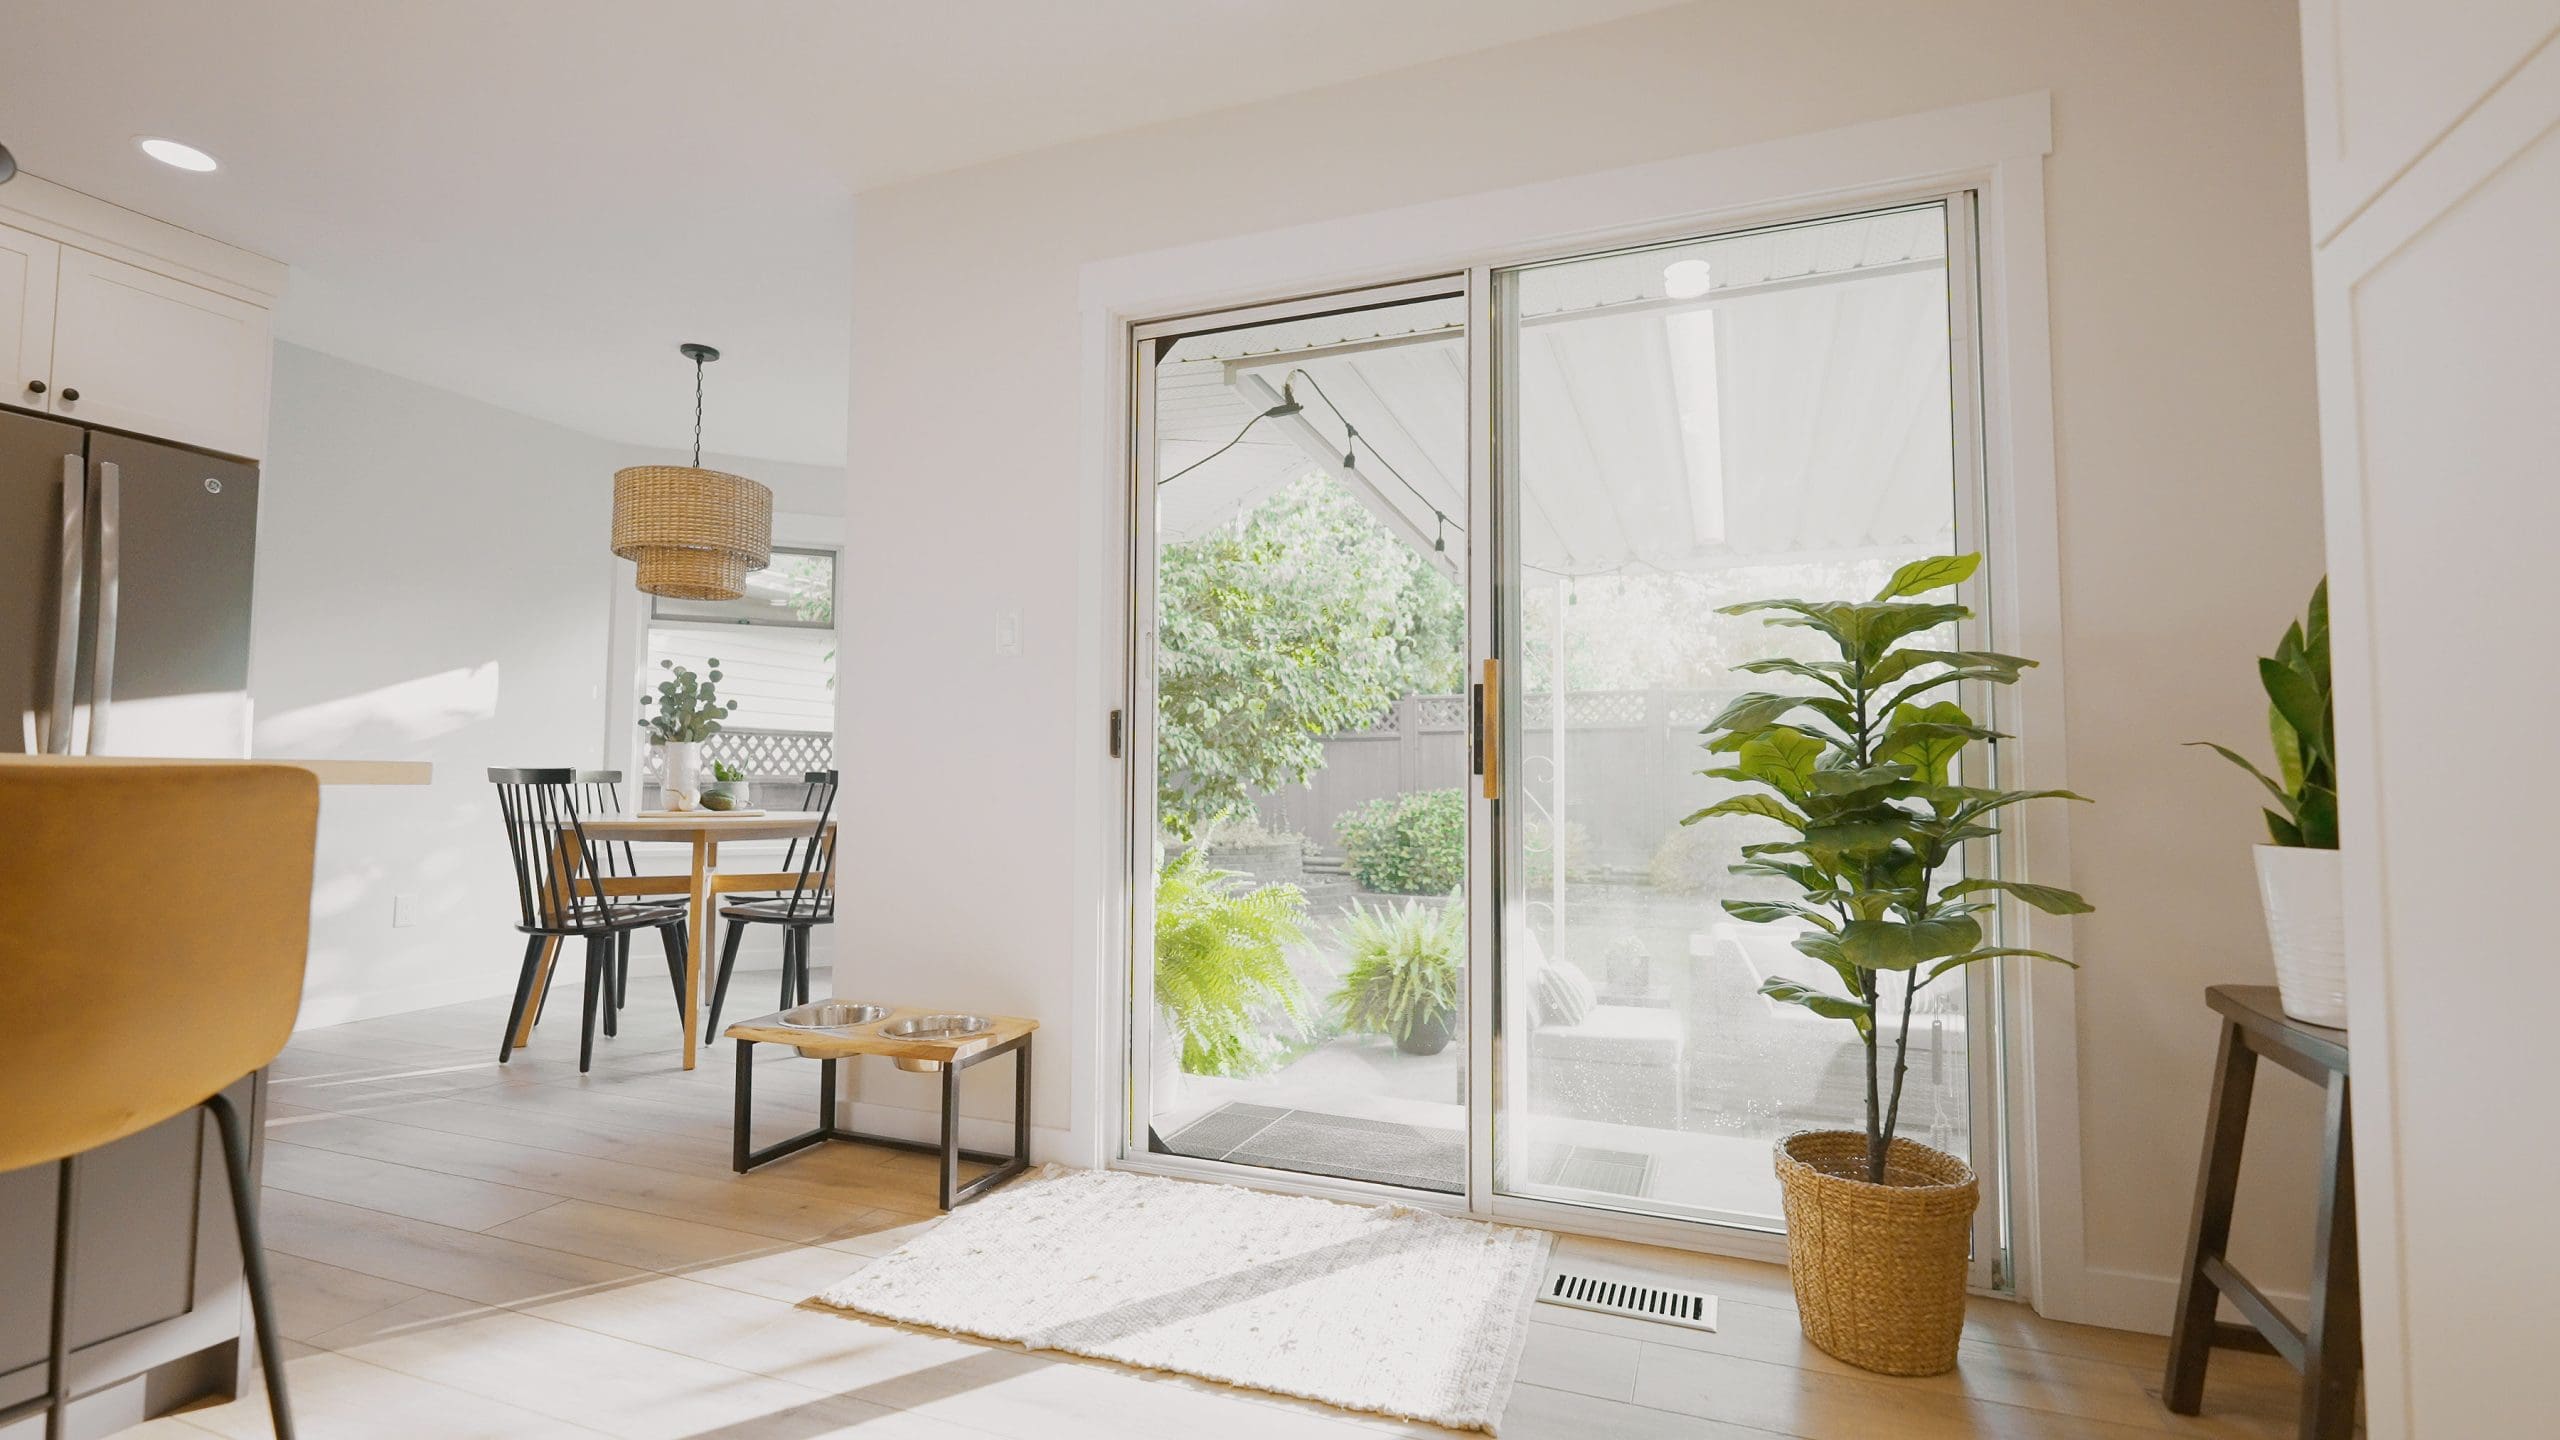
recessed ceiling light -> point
(170, 152)
(1685, 279)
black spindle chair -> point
(600, 793)
(557, 872)
(811, 902)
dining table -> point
(703, 883)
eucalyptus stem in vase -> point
(689, 711)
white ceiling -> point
(533, 201)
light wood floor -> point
(466, 1250)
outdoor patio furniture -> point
(931, 1040)
(1621, 1064)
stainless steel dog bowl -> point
(934, 1027)
(832, 1015)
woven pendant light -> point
(694, 533)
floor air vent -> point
(1690, 1309)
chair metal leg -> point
(611, 1003)
(790, 969)
(621, 969)
(253, 1258)
(803, 932)
(524, 995)
(728, 961)
(672, 936)
(57, 1360)
(599, 963)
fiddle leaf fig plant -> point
(2302, 721)
(1861, 768)
(689, 706)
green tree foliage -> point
(1861, 769)
(1222, 965)
(1409, 844)
(1303, 617)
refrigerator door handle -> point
(66, 624)
(102, 644)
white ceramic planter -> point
(2306, 924)
(683, 787)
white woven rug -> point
(1378, 1308)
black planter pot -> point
(1428, 1035)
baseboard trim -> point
(2142, 1302)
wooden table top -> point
(715, 824)
(867, 1039)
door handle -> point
(102, 642)
(1489, 725)
(66, 621)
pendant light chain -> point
(697, 412)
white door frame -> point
(1994, 148)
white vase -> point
(2305, 900)
(683, 788)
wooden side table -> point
(2330, 1354)
(1002, 1035)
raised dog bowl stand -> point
(880, 1031)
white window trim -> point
(1995, 148)
(628, 644)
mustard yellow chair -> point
(155, 920)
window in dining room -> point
(776, 648)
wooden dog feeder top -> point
(869, 1038)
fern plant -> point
(1406, 964)
(1222, 964)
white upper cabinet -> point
(27, 266)
(2383, 80)
(139, 351)
(112, 318)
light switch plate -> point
(404, 911)
(1009, 633)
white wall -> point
(432, 585)
(2435, 173)
(2189, 492)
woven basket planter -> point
(1879, 1270)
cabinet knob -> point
(35, 387)
(70, 394)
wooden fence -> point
(1631, 758)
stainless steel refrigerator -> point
(125, 570)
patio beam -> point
(1258, 393)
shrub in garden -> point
(1410, 844)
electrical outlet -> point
(404, 911)
(1009, 633)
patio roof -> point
(1797, 408)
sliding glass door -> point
(1303, 623)
(1326, 492)
(1689, 426)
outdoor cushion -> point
(1564, 994)
(1613, 1035)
